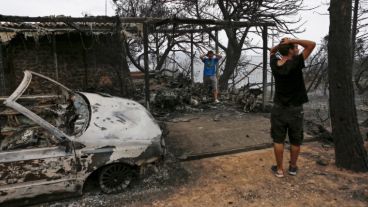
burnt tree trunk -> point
(349, 146)
(354, 29)
(233, 53)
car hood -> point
(120, 123)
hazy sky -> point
(316, 25)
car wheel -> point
(115, 178)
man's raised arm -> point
(202, 56)
(274, 50)
(307, 44)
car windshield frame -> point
(11, 102)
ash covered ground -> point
(175, 98)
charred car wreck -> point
(52, 146)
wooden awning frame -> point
(150, 25)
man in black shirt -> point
(287, 112)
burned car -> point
(53, 139)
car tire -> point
(115, 178)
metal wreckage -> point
(51, 144)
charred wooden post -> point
(55, 57)
(123, 71)
(216, 42)
(191, 59)
(264, 86)
(157, 51)
(217, 51)
(2, 72)
(146, 66)
(272, 80)
(85, 65)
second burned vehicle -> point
(50, 144)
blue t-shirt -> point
(210, 66)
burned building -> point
(75, 53)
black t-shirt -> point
(289, 81)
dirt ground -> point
(244, 179)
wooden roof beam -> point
(97, 19)
(149, 20)
(213, 22)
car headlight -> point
(160, 140)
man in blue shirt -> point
(210, 61)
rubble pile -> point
(247, 98)
(179, 94)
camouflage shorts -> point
(287, 120)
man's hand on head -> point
(285, 40)
(202, 56)
(306, 44)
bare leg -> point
(279, 152)
(294, 153)
(215, 94)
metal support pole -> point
(191, 58)
(264, 37)
(146, 66)
(55, 57)
(2, 73)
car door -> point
(31, 171)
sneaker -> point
(293, 170)
(217, 101)
(276, 172)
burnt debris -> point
(177, 93)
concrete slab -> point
(197, 134)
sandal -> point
(276, 172)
